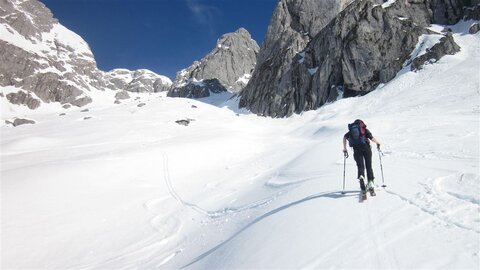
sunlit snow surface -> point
(130, 188)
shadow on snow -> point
(332, 195)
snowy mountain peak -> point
(140, 81)
(44, 62)
(230, 62)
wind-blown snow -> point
(130, 188)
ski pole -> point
(344, 161)
(381, 166)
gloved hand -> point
(378, 146)
(345, 153)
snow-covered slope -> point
(130, 188)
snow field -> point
(130, 188)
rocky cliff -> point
(228, 66)
(366, 43)
(50, 63)
(139, 81)
(292, 26)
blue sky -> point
(164, 36)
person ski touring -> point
(359, 138)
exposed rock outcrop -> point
(231, 63)
(19, 121)
(364, 45)
(21, 97)
(139, 81)
(474, 28)
(122, 95)
(292, 26)
(446, 11)
(198, 89)
(473, 12)
(445, 46)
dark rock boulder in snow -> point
(122, 95)
(474, 28)
(231, 63)
(184, 122)
(20, 121)
(197, 89)
(363, 46)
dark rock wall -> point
(364, 45)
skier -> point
(359, 138)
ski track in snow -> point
(437, 204)
(208, 213)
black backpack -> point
(358, 133)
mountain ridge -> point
(310, 71)
(227, 67)
(49, 63)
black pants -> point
(363, 157)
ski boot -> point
(363, 193)
(371, 188)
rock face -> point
(42, 57)
(445, 46)
(292, 26)
(198, 89)
(231, 63)
(451, 11)
(139, 81)
(24, 98)
(364, 45)
(473, 12)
